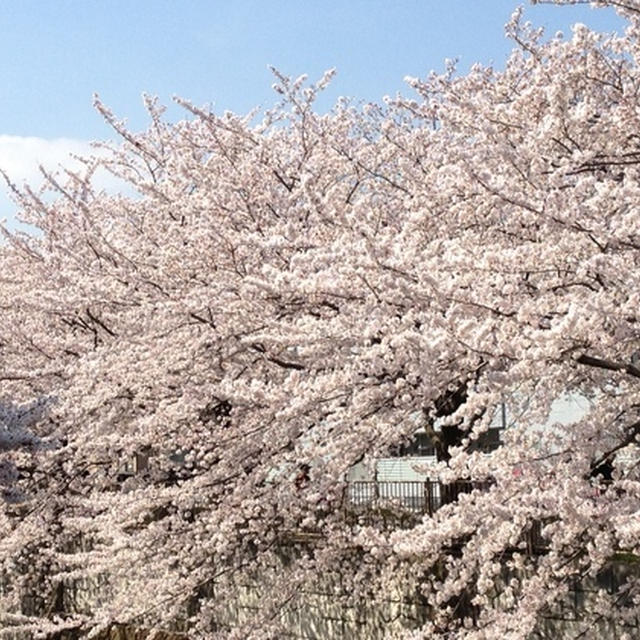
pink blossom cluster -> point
(280, 301)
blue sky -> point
(54, 54)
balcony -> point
(408, 500)
(417, 496)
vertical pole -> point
(376, 486)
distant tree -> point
(305, 293)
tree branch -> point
(611, 365)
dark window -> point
(419, 446)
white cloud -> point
(21, 156)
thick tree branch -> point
(610, 365)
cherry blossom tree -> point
(286, 299)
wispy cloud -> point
(21, 157)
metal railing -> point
(426, 497)
(417, 496)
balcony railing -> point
(426, 497)
(417, 496)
